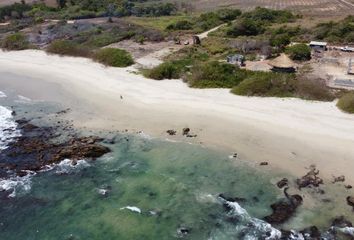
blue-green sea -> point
(174, 186)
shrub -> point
(216, 75)
(180, 25)
(102, 39)
(113, 57)
(16, 41)
(245, 27)
(300, 52)
(68, 48)
(346, 102)
(313, 89)
(266, 84)
(169, 70)
(227, 15)
(166, 70)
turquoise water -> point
(173, 184)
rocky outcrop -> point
(40, 146)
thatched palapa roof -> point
(283, 61)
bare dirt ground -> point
(333, 66)
(320, 8)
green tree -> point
(300, 52)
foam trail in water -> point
(8, 129)
(132, 208)
(17, 184)
(66, 166)
(253, 228)
(2, 95)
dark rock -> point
(310, 179)
(29, 127)
(312, 232)
(264, 164)
(284, 209)
(63, 111)
(192, 135)
(185, 131)
(338, 179)
(348, 186)
(171, 132)
(350, 201)
(40, 146)
(183, 231)
(282, 183)
(232, 199)
(341, 222)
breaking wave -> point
(8, 128)
(16, 184)
(21, 185)
(249, 228)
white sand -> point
(289, 133)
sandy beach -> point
(290, 134)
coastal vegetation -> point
(113, 57)
(346, 102)
(68, 48)
(266, 84)
(300, 52)
(16, 41)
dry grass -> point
(318, 8)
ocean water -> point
(145, 189)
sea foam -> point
(8, 127)
(2, 95)
(17, 184)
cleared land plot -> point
(307, 7)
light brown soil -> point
(320, 8)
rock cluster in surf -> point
(40, 146)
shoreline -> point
(290, 134)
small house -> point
(283, 64)
(236, 59)
(318, 45)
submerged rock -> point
(183, 231)
(282, 183)
(310, 179)
(338, 179)
(350, 201)
(284, 209)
